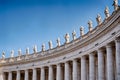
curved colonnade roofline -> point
(83, 40)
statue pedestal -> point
(3, 61)
(18, 59)
(11, 60)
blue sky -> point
(24, 23)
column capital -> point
(18, 71)
(58, 64)
(66, 62)
(92, 53)
(10, 71)
(34, 68)
(109, 45)
(83, 57)
(42, 67)
(100, 50)
(74, 60)
(26, 70)
(117, 39)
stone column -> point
(50, 76)
(67, 71)
(26, 74)
(18, 75)
(83, 68)
(59, 76)
(2, 76)
(75, 70)
(10, 75)
(42, 73)
(100, 65)
(117, 44)
(34, 77)
(110, 74)
(91, 66)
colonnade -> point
(102, 64)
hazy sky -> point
(24, 23)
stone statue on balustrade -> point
(107, 12)
(3, 55)
(58, 42)
(90, 25)
(74, 35)
(27, 51)
(43, 47)
(35, 49)
(81, 31)
(115, 4)
(67, 38)
(19, 52)
(50, 45)
(98, 19)
(12, 54)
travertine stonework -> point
(92, 56)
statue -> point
(81, 31)
(19, 52)
(90, 25)
(74, 35)
(98, 19)
(67, 38)
(107, 12)
(58, 42)
(115, 4)
(50, 44)
(3, 55)
(43, 47)
(27, 51)
(12, 53)
(35, 49)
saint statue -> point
(3, 55)
(67, 38)
(81, 31)
(12, 53)
(90, 25)
(58, 42)
(35, 49)
(107, 12)
(50, 45)
(74, 35)
(98, 19)
(19, 52)
(27, 51)
(115, 4)
(43, 47)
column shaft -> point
(34, 77)
(83, 68)
(110, 74)
(42, 73)
(10, 76)
(67, 71)
(26, 75)
(75, 70)
(18, 75)
(50, 73)
(91, 66)
(117, 43)
(2, 76)
(100, 65)
(59, 76)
